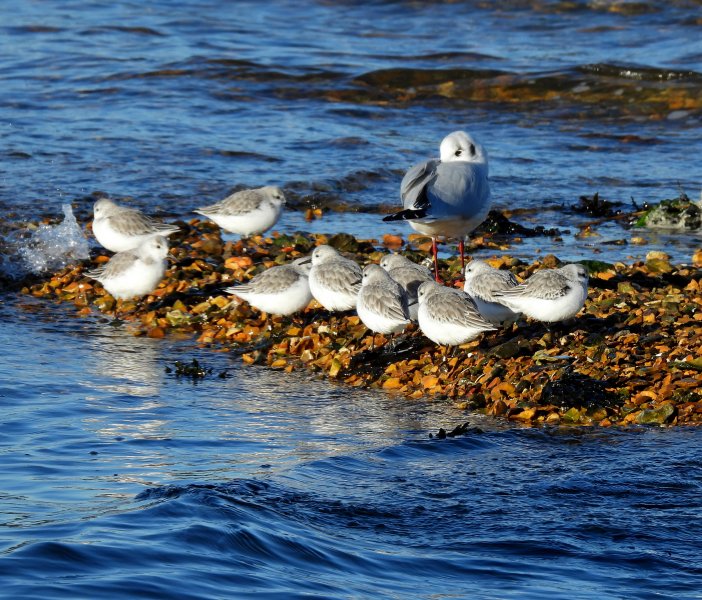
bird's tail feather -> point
(407, 214)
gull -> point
(409, 275)
(119, 228)
(448, 196)
(448, 316)
(334, 280)
(280, 290)
(482, 282)
(382, 303)
(134, 272)
(247, 212)
(549, 295)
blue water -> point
(121, 480)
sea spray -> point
(46, 249)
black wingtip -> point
(407, 214)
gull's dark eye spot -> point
(472, 149)
(458, 152)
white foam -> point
(52, 247)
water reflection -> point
(121, 363)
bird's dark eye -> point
(472, 149)
(458, 152)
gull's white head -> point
(461, 146)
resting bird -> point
(482, 282)
(382, 303)
(448, 196)
(134, 272)
(118, 228)
(549, 295)
(280, 290)
(248, 212)
(334, 280)
(448, 316)
(409, 275)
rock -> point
(656, 416)
(658, 262)
(680, 213)
(573, 415)
(577, 390)
(343, 242)
(508, 349)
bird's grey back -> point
(547, 284)
(454, 306)
(485, 284)
(271, 281)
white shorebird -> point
(382, 303)
(409, 275)
(481, 283)
(134, 272)
(280, 290)
(119, 228)
(549, 295)
(247, 212)
(448, 316)
(448, 196)
(334, 280)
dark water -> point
(120, 480)
(175, 104)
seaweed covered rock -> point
(679, 213)
(630, 357)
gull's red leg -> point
(435, 253)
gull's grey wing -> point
(414, 184)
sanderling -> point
(481, 283)
(448, 316)
(247, 212)
(134, 272)
(409, 275)
(382, 303)
(334, 280)
(118, 228)
(448, 196)
(280, 290)
(549, 295)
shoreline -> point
(631, 356)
